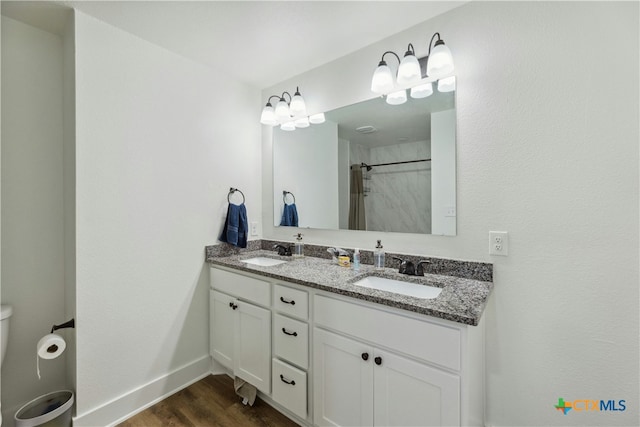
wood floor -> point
(209, 402)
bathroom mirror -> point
(371, 166)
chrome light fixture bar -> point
(289, 113)
(439, 63)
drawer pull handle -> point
(233, 306)
(378, 360)
(294, 334)
(365, 356)
(292, 302)
(292, 382)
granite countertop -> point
(461, 300)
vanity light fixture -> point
(290, 112)
(439, 62)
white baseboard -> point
(134, 401)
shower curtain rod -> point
(364, 165)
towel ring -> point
(233, 190)
(284, 196)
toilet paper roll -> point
(50, 346)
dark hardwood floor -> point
(209, 402)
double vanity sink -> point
(457, 299)
(396, 286)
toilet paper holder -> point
(68, 324)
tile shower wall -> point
(395, 193)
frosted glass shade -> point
(282, 110)
(397, 98)
(447, 84)
(288, 126)
(440, 61)
(302, 122)
(409, 70)
(298, 107)
(316, 119)
(268, 116)
(422, 91)
(382, 80)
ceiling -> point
(259, 42)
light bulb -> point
(440, 61)
(422, 91)
(382, 80)
(288, 126)
(409, 70)
(316, 119)
(448, 84)
(297, 107)
(302, 122)
(268, 116)
(397, 98)
(282, 109)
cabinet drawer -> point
(292, 302)
(243, 287)
(428, 341)
(291, 340)
(290, 387)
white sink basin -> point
(263, 261)
(415, 290)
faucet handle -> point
(406, 266)
(419, 268)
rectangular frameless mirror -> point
(371, 166)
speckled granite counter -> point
(461, 300)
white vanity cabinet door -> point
(253, 345)
(221, 328)
(408, 393)
(342, 381)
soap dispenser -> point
(378, 256)
(298, 249)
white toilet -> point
(5, 314)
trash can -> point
(49, 410)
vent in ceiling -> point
(366, 129)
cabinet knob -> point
(294, 334)
(292, 382)
(365, 356)
(378, 360)
(292, 302)
(233, 306)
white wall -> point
(313, 183)
(32, 208)
(443, 172)
(548, 151)
(159, 141)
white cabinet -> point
(240, 331)
(253, 345)
(376, 367)
(330, 360)
(290, 348)
(343, 381)
(222, 321)
(359, 385)
(408, 393)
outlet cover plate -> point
(499, 243)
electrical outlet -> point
(498, 243)
(450, 211)
(254, 228)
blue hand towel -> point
(289, 216)
(236, 226)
